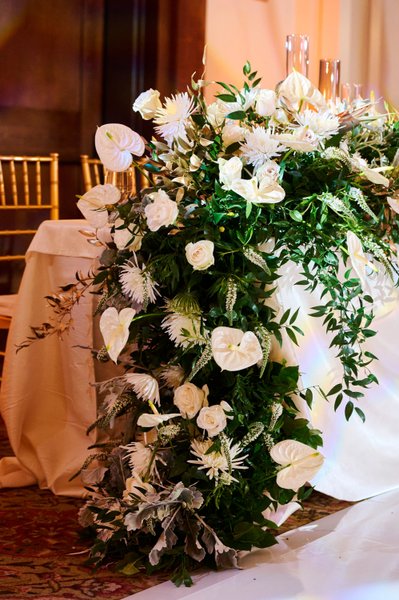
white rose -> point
(161, 212)
(229, 171)
(147, 104)
(200, 254)
(212, 419)
(189, 399)
(232, 133)
(265, 104)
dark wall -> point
(68, 66)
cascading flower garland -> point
(213, 441)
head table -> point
(48, 400)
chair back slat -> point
(2, 188)
(14, 189)
(38, 183)
(25, 181)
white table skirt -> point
(361, 459)
(47, 400)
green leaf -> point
(237, 115)
(296, 215)
(360, 413)
(247, 68)
(334, 390)
(226, 97)
(349, 410)
(248, 209)
(285, 316)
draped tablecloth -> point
(361, 459)
(47, 398)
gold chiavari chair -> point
(29, 193)
(94, 173)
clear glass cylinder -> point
(297, 53)
(125, 181)
(329, 74)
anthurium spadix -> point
(234, 350)
(114, 328)
(115, 144)
(298, 462)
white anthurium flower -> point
(153, 420)
(229, 171)
(296, 90)
(372, 174)
(281, 512)
(200, 254)
(265, 103)
(147, 104)
(394, 204)
(299, 463)
(115, 144)
(234, 349)
(145, 386)
(125, 238)
(161, 212)
(213, 419)
(93, 204)
(189, 399)
(259, 192)
(358, 259)
(114, 328)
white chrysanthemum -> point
(137, 283)
(172, 118)
(145, 386)
(173, 376)
(183, 330)
(260, 145)
(217, 463)
(324, 124)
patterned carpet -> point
(42, 555)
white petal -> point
(115, 144)
(234, 350)
(152, 420)
(247, 188)
(300, 463)
(375, 177)
(394, 204)
(114, 328)
(92, 204)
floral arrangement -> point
(212, 443)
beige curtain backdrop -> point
(362, 33)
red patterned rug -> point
(42, 555)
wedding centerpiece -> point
(213, 443)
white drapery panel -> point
(359, 32)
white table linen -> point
(47, 398)
(361, 459)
